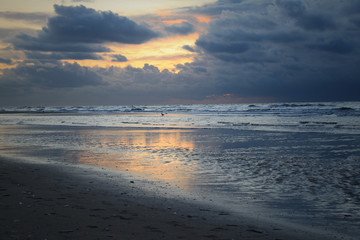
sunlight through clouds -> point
(280, 50)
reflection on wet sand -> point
(159, 154)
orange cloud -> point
(204, 19)
(163, 53)
(175, 21)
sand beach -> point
(59, 201)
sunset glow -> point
(193, 52)
(150, 153)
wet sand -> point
(60, 201)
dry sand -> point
(59, 201)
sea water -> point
(335, 117)
(294, 161)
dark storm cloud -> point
(251, 32)
(84, 25)
(217, 8)
(63, 55)
(8, 35)
(355, 21)
(222, 47)
(334, 46)
(118, 58)
(27, 42)
(316, 23)
(81, 29)
(54, 83)
(235, 33)
(6, 61)
(351, 7)
(294, 9)
(188, 48)
(290, 50)
(45, 76)
(182, 28)
(308, 21)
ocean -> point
(293, 162)
(332, 117)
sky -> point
(111, 52)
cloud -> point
(182, 28)
(81, 29)
(61, 83)
(245, 35)
(27, 42)
(53, 76)
(351, 7)
(287, 51)
(38, 18)
(308, 21)
(150, 85)
(188, 48)
(222, 47)
(251, 51)
(355, 21)
(84, 25)
(118, 58)
(4, 32)
(6, 61)
(63, 55)
(7, 35)
(294, 9)
(77, 1)
(339, 46)
(216, 8)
